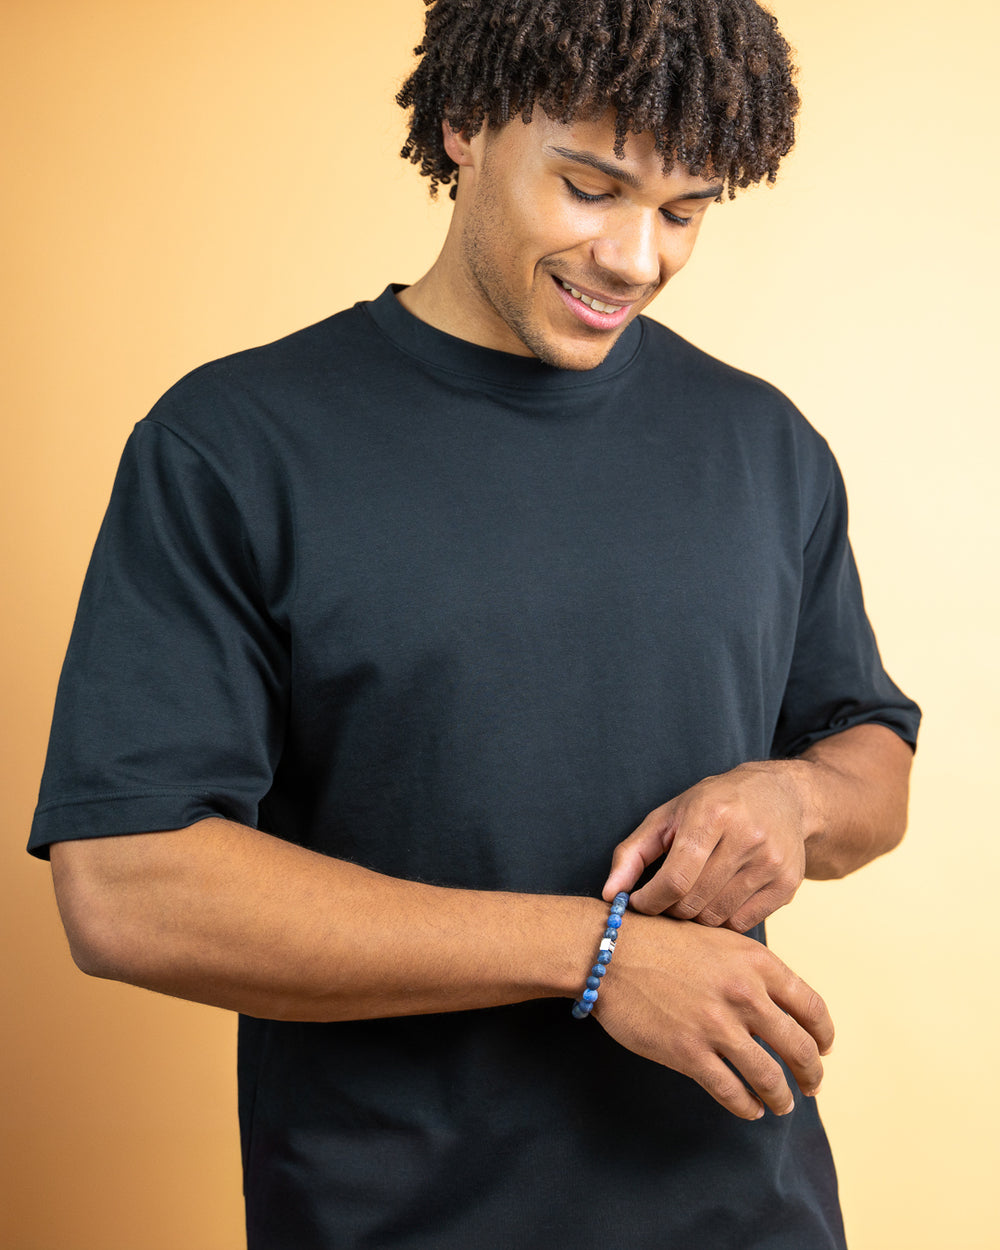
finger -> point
(627, 866)
(797, 1048)
(749, 897)
(633, 856)
(757, 907)
(725, 1086)
(722, 887)
(801, 1002)
(764, 1075)
(680, 870)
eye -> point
(577, 194)
(586, 198)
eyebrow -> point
(613, 170)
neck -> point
(448, 298)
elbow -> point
(92, 947)
(90, 915)
(894, 823)
(896, 833)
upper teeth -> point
(589, 300)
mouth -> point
(597, 313)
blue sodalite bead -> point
(583, 1007)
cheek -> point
(683, 246)
(548, 228)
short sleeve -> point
(171, 703)
(836, 680)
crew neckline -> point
(451, 354)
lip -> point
(589, 316)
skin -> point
(519, 227)
(226, 915)
(721, 864)
(233, 917)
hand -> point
(689, 997)
(733, 848)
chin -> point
(579, 358)
(569, 354)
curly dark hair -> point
(711, 79)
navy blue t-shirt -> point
(465, 618)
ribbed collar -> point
(457, 356)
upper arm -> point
(171, 703)
(836, 680)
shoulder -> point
(741, 419)
(715, 381)
(727, 395)
(273, 375)
(261, 411)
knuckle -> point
(770, 1079)
(717, 811)
(804, 1054)
(713, 1024)
(678, 880)
(691, 1050)
(815, 1008)
(761, 959)
(721, 1084)
(741, 994)
(771, 859)
(689, 841)
(688, 907)
(755, 838)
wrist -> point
(801, 781)
(805, 779)
(564, 934)
(583, 1006)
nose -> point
(628, 249)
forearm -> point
(855, 788)
(229, 916)
(735, 847)
(235, 918)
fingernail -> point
(758, 1114)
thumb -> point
(627, 866)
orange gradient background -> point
(184, 179)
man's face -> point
(562, 243)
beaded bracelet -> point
(585, 1004)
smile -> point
(595, 314)
(596, 304)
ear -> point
(458, 147)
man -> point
(410, 635)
